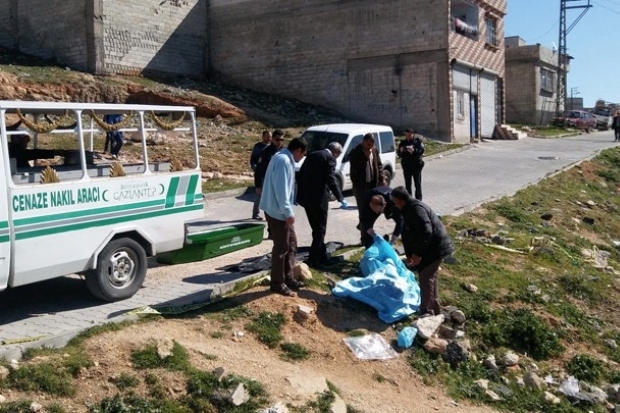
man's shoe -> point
(257, 218)
(295, 285)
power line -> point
(613, 2)
(605, 7)
(551, 28)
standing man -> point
(115, 137)
(277, 139)
(615, 125)
(426, 243)
(378, 201)
(366, 169)
(317, 177)
(277, 200)
(256, 150)
(410, 152)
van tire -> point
(121, 270)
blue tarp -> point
(387, 285)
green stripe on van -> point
(4, 224)
(4, 238)
(191, 189)
(102, 222)
(172, 192)
(85, 213)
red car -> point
(579, 119)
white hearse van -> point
(349, 135)
(65, 209)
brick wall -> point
(381, 61)
(46, 28)
(6, 38)
(154, 36)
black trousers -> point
(368, 221)
(317, 217)
(414, 171)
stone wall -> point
(46, 28)
(154, 36)
(375, 61)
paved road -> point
(51, 312)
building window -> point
(547, 80)
(491, 23)
(460, 104)
(464, 16)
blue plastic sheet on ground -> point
(388, 286)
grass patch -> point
(586, 368)
(223, 184)
(267, 326)
(294, 352)
(322, 404)
(45, 377)
(149, 358)
(125, 381)
(217, 334)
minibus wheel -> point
(121, 270)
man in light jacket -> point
(277, 200)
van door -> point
(5, 238)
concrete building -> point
(531, 82)
(436, 66)
(111, 36)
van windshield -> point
(318, 140)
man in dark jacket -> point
(256, 150)
(410, 151)
(615, 125)
(316, 178)
(277, 139)
(426, 243)
(378, 201)
(365, 168)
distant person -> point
(264, 156)
(410, 151)
(426, 244)
(316, 178)
(378, 201)
(277, 200)
(615, 125)
(114, 138)
(256, 150)
(18, 149)
(366, 169)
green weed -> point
(125, 381)
(149, 358)
(294, 351)
(266, 326)
(45, 377)
(585, 367)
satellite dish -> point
(554, 48)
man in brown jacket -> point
(366, 169)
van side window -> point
(354, 142)
(387, 142)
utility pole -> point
(572, 101)
(563, 57)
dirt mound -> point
(206, 106)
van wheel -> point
(121, 270)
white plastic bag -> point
(570, 387)
(370, 347)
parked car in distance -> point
(349, 135)
(578, 119)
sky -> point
(592, 42)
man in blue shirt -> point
(277, 200)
